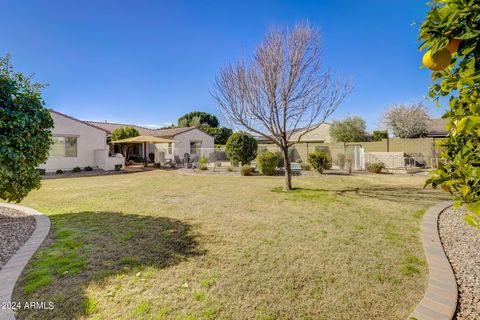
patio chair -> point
(177, 160)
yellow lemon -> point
(440, 62)
(453, 45)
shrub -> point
(76, 169)
(246, 170)
(267, 163)
(306, 166)
(202, 166)
(157, 165)
(41, 171)
(230, 169)
(375, 167)
(88, 168)
(118, 167)
(203, 160)
(342, 159)
(25, 133)
(59, 171)
(320, 161)
(241, 146)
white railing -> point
(394, 161)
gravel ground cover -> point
(15, 229)
(461, 243)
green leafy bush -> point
(76, 169)
(456, 22)
(375, 167)
(59, 171)
(267, 163)
(320, 161)
(246, 170)
(88, 168)
(306, 166)
(25, 131)
(242, 147)
(202, 163)
(119, 166)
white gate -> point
(356, 155)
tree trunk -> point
(288, 171)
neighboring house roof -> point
(437, 128)
(173, 131)
(319, 134)
(109, 127)
(77, 120)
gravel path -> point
(462, 246)
(15, 229)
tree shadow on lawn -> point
(87, 247)
(380, 192)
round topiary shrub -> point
(320, 161)
(267, 163)
(242, 147)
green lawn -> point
(160, 245)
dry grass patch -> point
(159, 245)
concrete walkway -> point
(440, 300)
(14, 267)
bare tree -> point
(281, 90)
(407, 121)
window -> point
(195, 147)
(169, 148)
(64, 147)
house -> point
(188, 140)
(77, 143)
(320, 134)
(304, 143)
(437, 128)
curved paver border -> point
(14, 267)
(440, 299)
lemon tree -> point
(454, 26)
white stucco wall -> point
(181, 144)
(89, 139)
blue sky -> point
(149, 62)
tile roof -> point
(437, 127)
(108, 126)
(78, 120)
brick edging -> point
(14, 267)
(440, 299)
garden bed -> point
(15, 229)
(461, 243)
